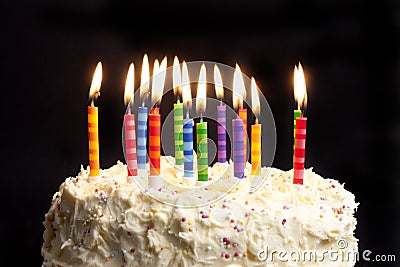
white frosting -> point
(110, 222)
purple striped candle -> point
(238, 148)
(221, 129)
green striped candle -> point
(178, 132)
(202, 151)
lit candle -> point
(201, 128)
(238, 150)
(129, 126)
(178, 113)
(93, 124)
(238, 97)
(142, 116)
(255, 132)
(188, 173)
(301, 124)
(296, 113)
(158, 81)
(221, 116)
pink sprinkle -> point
(204, 216)
(236, 254)
(232, 220)
(149, 227)
(133, 250)
(224, 239)
(247, 214)
(235, 227)
(227, 256)
(283, 221)
(222, 254)
(235, 244)
(183, 219)
(333, 186)
(224, 206)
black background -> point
(349, 50)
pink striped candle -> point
(130, 143)
(299, 150)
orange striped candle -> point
(93, 133)
(256, 149)
(255, 132)
(154, 179)
(154, 141)
(93, 123)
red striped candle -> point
(299, 150)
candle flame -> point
(94, 91)
(186, 91)
(144, 79)
(176, 77)
(239, 90)
(201, 90)
(300, 90)
(158, 80)
(130, 85)
(255, 100)
(219, 87)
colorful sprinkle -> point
(283, 221)
(183, 219)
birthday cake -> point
(111, 222)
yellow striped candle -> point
(93, 123)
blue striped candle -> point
(142, 138)
(188, 148)
(221, 130)
(238, 148)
